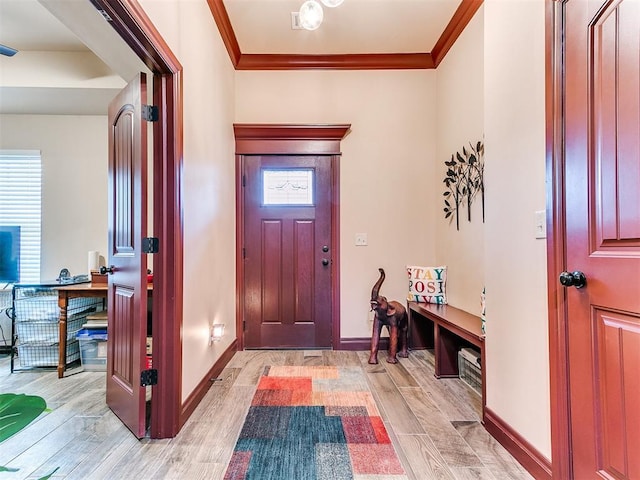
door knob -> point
(576, 279)
(325, 248)
(325, 262)
(109, 270)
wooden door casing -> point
(287, 287)
(289, 139)
(138, 32)
(600, 194)
(127, 295)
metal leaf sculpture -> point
(464, 179)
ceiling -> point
(359, 34)
(356, 26)
(57, 70)
(258, 34)
(28, 25)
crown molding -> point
(371, 61)
(223, 22)
(461, 18)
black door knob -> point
(325, 262)
(325, 248)
(110, 270)
(575, 279)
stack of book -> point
(96, 320)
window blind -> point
(21, 204)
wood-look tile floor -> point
(434, 424)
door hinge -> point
(244, 325)
(148, 377)
(105, 15)
(244, 252)
(244, 180)
(150, 113)
(150, 245)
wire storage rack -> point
(5, 319)
(470, 368)
(35, 326)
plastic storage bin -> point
(93, 349)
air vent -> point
(295, 21)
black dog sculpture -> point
(394, 316)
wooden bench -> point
(445, 329)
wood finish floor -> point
(434, 424)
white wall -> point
(208, 187)
(74, 152)
(74, 191)
(492, 88)
(53, 83)
(460, 114)
(385, 169)
(60, 69)
(515, 261)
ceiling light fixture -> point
(311, 13)
(331, 3)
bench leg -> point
(420, 331)
(446, 353)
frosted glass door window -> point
(287, 187)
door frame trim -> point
(136, 29)
(290, 139)
(556, 243)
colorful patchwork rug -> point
(313, 423)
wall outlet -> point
(361, 239)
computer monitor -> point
(9, 254)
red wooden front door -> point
(287, 252)
(127, 300)
(602, 185)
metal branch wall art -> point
(464, 179)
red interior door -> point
(287, 215)
(602, 125)
(127, 300)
